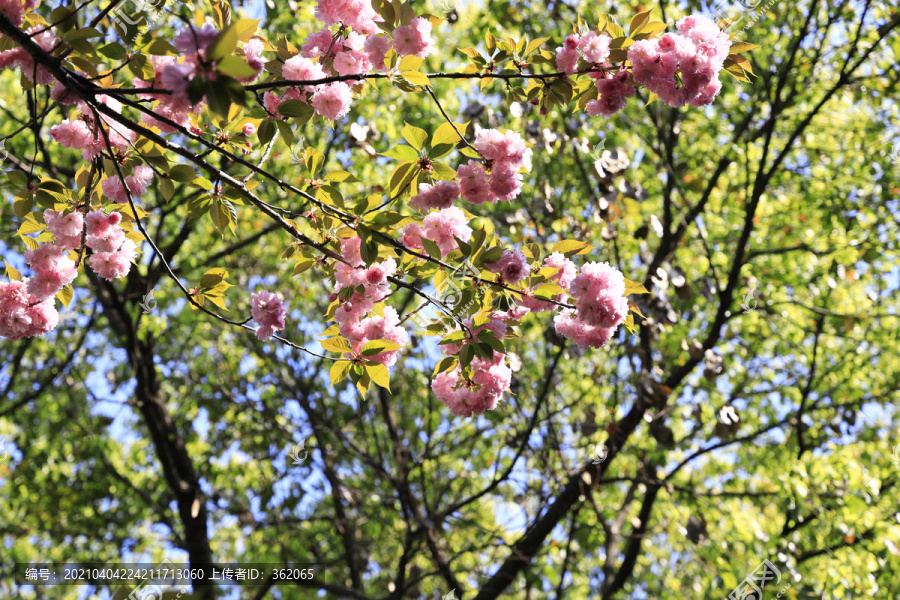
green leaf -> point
(22, 206)
(237, 67)
(212, 278)
(182, 173)
(401, 177)
(302, 111)
(32, 223)
(378, 346)
(224, 43)
(433, 250)
(415, 136)
(402, 153)
(443, 172)
(158, 47)
(534, 45)
(314, 161)
(245, 28)
(340, 177)
(410, 63)
(446, 134)
(224, 215)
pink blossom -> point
(253, 50)
(72, 134)
(271, 102)
(137, 184)
(357, 14)
(707, 94)
(59, 224)
(23, 315)
(505, 183)
(566, 60)
(473, 183)
(192, 39)
(614, 93)
(317, 44)
(53, 270)
(383, 328)
(698, 50)
(412, 236)
(444, 226)
(14, 10)
(584, 335)
(332, 101)
(501, 148)
(300, 68)
(440, 195)
(512, 266)
(177, 77)
(594, 46)
(269, 311)
(19, 57)
(490, 379)
(114, 264)
(376, 48)
(414, 39)
(351, 62)
(600, 290)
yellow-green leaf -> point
(339, 371)
(632, 287)
(336, 344)
(379, 375)
(65, 295)
(415, 78)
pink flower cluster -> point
(512, 266)
(498, 179)
(53, 270)
(136, 183)
(356, 14)
(66, 227)
(697, 51)
(615, 89)
(269, 311)
(344, 53)
(600, 307)
(113, 251)
(467, 397)
(352, 315)
(414, 39)
(592, 46)
(24, 315)
(440, 195)
(489, 380)
(19, 57)
(15, 9)
(563, 277)
(83, 134)
(442, 228)
(176, 74)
